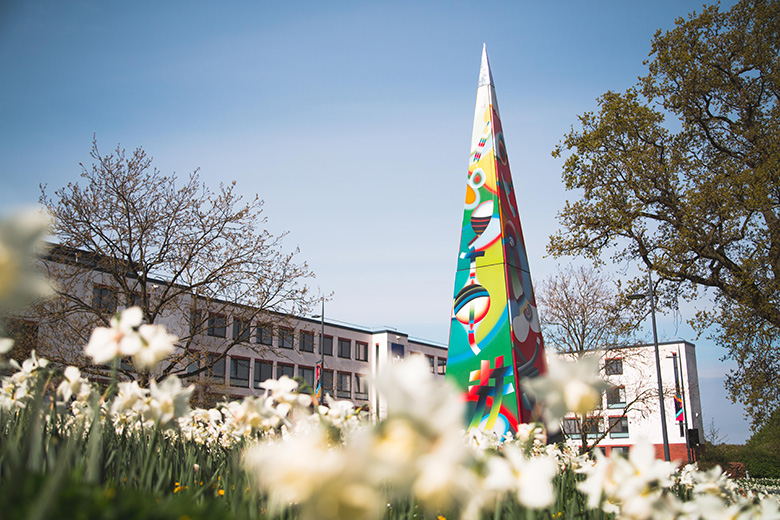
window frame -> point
(211, 374)
(327, 339)
(613, 366)
(240, 334)
(348, 343)
(216, 328)
(361, 351)
(302, 370)
(105, 298)
(620, 423)
(258, 374)
(441, 367)
(237, 362)
(361, 381)
(280, 369)
(344, 379)
(264, 335)
(621, 396)
(306, 339)
(286, 333)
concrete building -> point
(630, 410)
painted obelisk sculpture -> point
(495, 339)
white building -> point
(630, 410)
(260, 345)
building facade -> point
(630, 409)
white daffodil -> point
(73, 383)
(168, 401)
(528, 478)
(567, 387)
(155, 345)
(120, 339)
(21, 236)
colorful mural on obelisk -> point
(495, 339)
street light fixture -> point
(651, 295)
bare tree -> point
(583, 313)
(189, 257)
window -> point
(307, 374)
(104, 299)
(193, 365)
(327, 382)
(264, 335)
(618, 427)
(327, 342)
(345, 348)
(239, 372)
(343, 388)
(431, 362)
(217, 325)
(616, 397)
(307, 341)
(263, 370)
(571, 427)
(613, 367)
(240, 329)
(361, 351)
(216, 371)
(361, 390)
(283, 369)
(593, 426)
(442, 366)
(286, 338)
(623, 450)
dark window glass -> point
(328, 343)
(613, 367)
(361, 390)
(240, 329)
(361, 351)
(286, 338)
(263, 370)
(571, 427)
(593, 426)
(327, 382)
(618, 427)
(345, 348)
(616, 397)
(264, 335)
(307, 341)
(217, 325)
(284, 370)
(442, 366)
(104, 299)
(307, 374)
(344, 390)
(239, 372)
(216, 371)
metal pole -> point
(685, 409)
(322, 354)
(651, 293)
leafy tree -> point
(189, 257)
(581, 314)
(682, 173)
(762, 451)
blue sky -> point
(352, 120)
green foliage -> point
(681, 173)
(762, 451)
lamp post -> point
(641, 296)
(321, 316)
